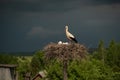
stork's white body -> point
(69, 35)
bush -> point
(37, 62)
(8, 59)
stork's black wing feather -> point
(74, 39)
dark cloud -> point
(105, 1)
(42, 32)
(27, 25)
(50, 5)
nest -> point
(65, 51)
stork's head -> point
(66, 27)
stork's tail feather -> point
(74, 40)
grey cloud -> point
(29, 24)
(42, 32)
(50, 5)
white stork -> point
(69, 35)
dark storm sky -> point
(28, 25)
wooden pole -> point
(65, 70)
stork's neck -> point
(66, 29)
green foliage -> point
(37, 62)
(113, 54)
(7, 59)
(101, 65)
(54, 70)
(110, 56)
(101, 52)
(23, 66)
(89, 70)
(81, 70)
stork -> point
(69, 35)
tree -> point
(23, 66)
(89, 69)
(37, 62)
(54, 70)
(101, 52)
(113, 55)
(65, 53)
(109, 56)
(8, 59)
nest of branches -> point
(62, 52)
